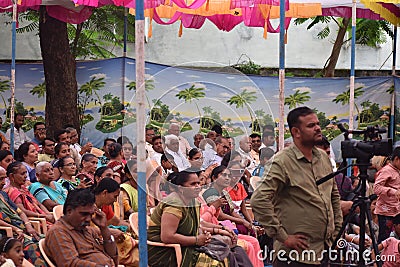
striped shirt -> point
(69, 247)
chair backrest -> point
(134, 222)
(26, 263)
(41, 247)
(58, 212)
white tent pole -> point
(281, 136)
(140, 132)
(13, 49)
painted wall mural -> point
(197, 99)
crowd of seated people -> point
(197, 197)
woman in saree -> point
(177, 220)
(221, 178)
(21, 196)
(46, 190)
(116, 161)
(14, 217)
(101, 173)
(6, 157)
(129, 195)
(60, 150)
(28, 155)
(88, 167)
(106, 193)
(216, 197)
(68, 180)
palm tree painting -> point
(390, 90)
(91, 87)
(148, 86)
(296, 99)
(190, 94)
(160, 111)
(39, 90)
(344, 98)
(107, 106)
(243, 100)
(4, 86)
(207, 110)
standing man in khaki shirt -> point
(299, 215)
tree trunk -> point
(60, 73)
(333, 59)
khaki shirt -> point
(289, 202)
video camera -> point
(369, 147)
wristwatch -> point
(111, 239)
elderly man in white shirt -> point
(244, 150)
(172, 148)
(184, 145)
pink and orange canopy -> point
(225, 14)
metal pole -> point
(125, 29)
(282, 75)
(352, 68)
(13, 48)
(140, 124)
(393, 107)
(394, 49)
(124, 60)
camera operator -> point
(294, 211)
(387, 188)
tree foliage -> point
(368, 32)
(94, 38)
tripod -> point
(364, 203)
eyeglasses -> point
(41, 129)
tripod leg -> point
(374, 241)
(342, 229)
(348, 218)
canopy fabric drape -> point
(225, 15)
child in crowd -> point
(390, 252)
(12, 253)
(396, 228)
(266, 153)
